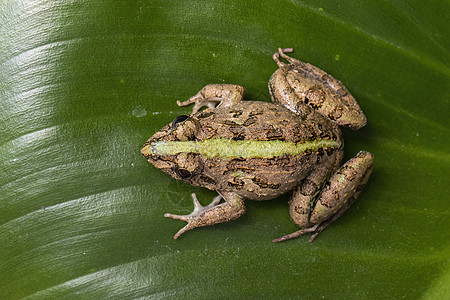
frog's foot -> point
(192, 218)
(199, 101)
(212, 94)
(214, 213)
(281, 52)
(316, 229)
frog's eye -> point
(183, 173)
(179, 119)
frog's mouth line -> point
(224, 148)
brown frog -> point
(259, 151)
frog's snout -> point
(146, 150)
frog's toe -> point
(198, 208)
(176, 217)
(298, 233)
(195, 99)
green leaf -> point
(83, 84)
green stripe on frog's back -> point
(225, 148)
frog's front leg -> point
(336, 197)
(225, 94)
(214, 213)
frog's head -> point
(172, 150)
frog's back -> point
(256, 120)
(299, 143)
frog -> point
(257, 150)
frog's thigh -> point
(300, 204)
(225, 94)
(281, 92)
(303, 197)
(328, 96)
(229, 94)
(231, 209)
(343, 188)
(299, 83)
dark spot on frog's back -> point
(265, 185)
(237, 170)
(204, 114)
(249, 121)
(320, 152)
(206, 180)
(230, 123)
(343, 92)
(330, 151)
(336, 113)
(273, 133)
(236, 113)
(206, 132)
(238, 163)
(236, 183)
(255, 113)
(326, 78)
(238, 136)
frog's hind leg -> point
(211, 214)
(298, 82)
(225, 94)
(338, 194)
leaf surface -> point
(83, 84)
